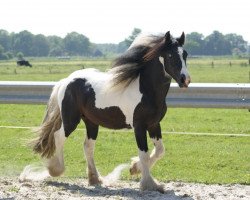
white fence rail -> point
(199, 95)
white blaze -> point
(184, 67)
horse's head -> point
(174, 59)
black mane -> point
(128, 66)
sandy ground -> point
(12, 188)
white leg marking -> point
(93, 175)
(147, 181)
(157, 152)
(55, 164)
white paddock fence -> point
(198, 95)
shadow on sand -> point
(109, 192)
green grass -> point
(201, 70)
(176, 119)
(47, 70)
(207, 159)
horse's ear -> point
(167, 37)
(181, 40)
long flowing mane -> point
(127, 67)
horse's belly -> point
(110, 117)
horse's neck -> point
(154, 82)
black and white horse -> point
(130, 95)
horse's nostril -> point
(183, 78)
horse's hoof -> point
(160, 188)
(151, 185)
(135, 168)
(95, 180)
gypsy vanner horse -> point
(130, 95)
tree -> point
(122, 47)
(56, 46)
(216, 44)
(5, 40)
(23, 42)
(97, 53)
(19, 56)
(77, 44)
(236, 42)
(2, 57)
(194, 43)
(40, 46)
(128, 41)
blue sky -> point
(111, 21)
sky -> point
(111, 21)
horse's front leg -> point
(147, 181)
(156, 137)
(157, 153)
(89, 146)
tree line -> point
(28, 44)
(25, 43)
(216, 44)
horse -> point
(131, 94)
(23, 63)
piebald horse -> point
(130, 95)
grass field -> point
(201, 70)
(192, 158)
(208, 159)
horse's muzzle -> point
(184, 82)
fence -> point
(199, 95)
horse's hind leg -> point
(55, 164)
(70, 116)
(89, 146)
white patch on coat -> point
(89, 147)
(184, 67)
(126, 99)
(161, 59)
(62, 84)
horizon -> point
(110, 42)
(112, 21)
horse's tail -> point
(44, 144)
